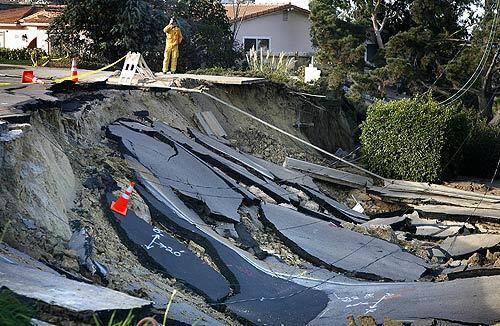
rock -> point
(311, 205)
(196, 248)
(261, 195)
(351, 321)
(454, 263)
(367, 321)
(390, 322)
(70, 262)
(474, 260)
(492, 257)
(226, 230)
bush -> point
(15, 54)
(482, 151)
(414, 139)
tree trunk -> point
(485, 104)
(377, 28)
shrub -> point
(15, 54)
(413, 139)
(261, 61)
(481, 151)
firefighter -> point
(174, 38)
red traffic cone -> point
(27, 77)
(120, 206)
(74, 71)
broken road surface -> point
(260, 293)
(53, 289)
(343, 249)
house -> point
(26, 26)
(275, 27)
(299, 3)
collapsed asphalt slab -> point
(47, 286)
(285, 175)
(334, 207)
(465, 301)
(231, 153)
(159, 249)
(462, 245)
(343, 250)
(182, 171)
(258, 296)
(229, 167)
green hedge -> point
(482, 151)
(15, 54)
(414, 139)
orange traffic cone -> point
(27, 77)
(74, 71)
(120, 206)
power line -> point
(465, 88)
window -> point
(2, 40)
(257, 43)
(285, 15)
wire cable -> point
(480, 67)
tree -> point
(105, 30)
(340, 28)
(483, 52)
(339, 38)
(422, 45)
(208, 39)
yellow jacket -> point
(174, 35)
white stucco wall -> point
(289, 36)
(14, 40)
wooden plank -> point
(328, 174)
(214, 125)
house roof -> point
(43, 16)
(30, 15)
(249, 11)
(12, 16)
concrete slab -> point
(182, 171)
(258, 296)
(160, 250)
(343, 250)
(465, 301)
(339, 210)
(463, 245)
(397, 223)
(455, 213)
(207, 121)
(230, 153)
(230, 168)
(55, 290)
(328, 174)
(222, 80)
(285, 175)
